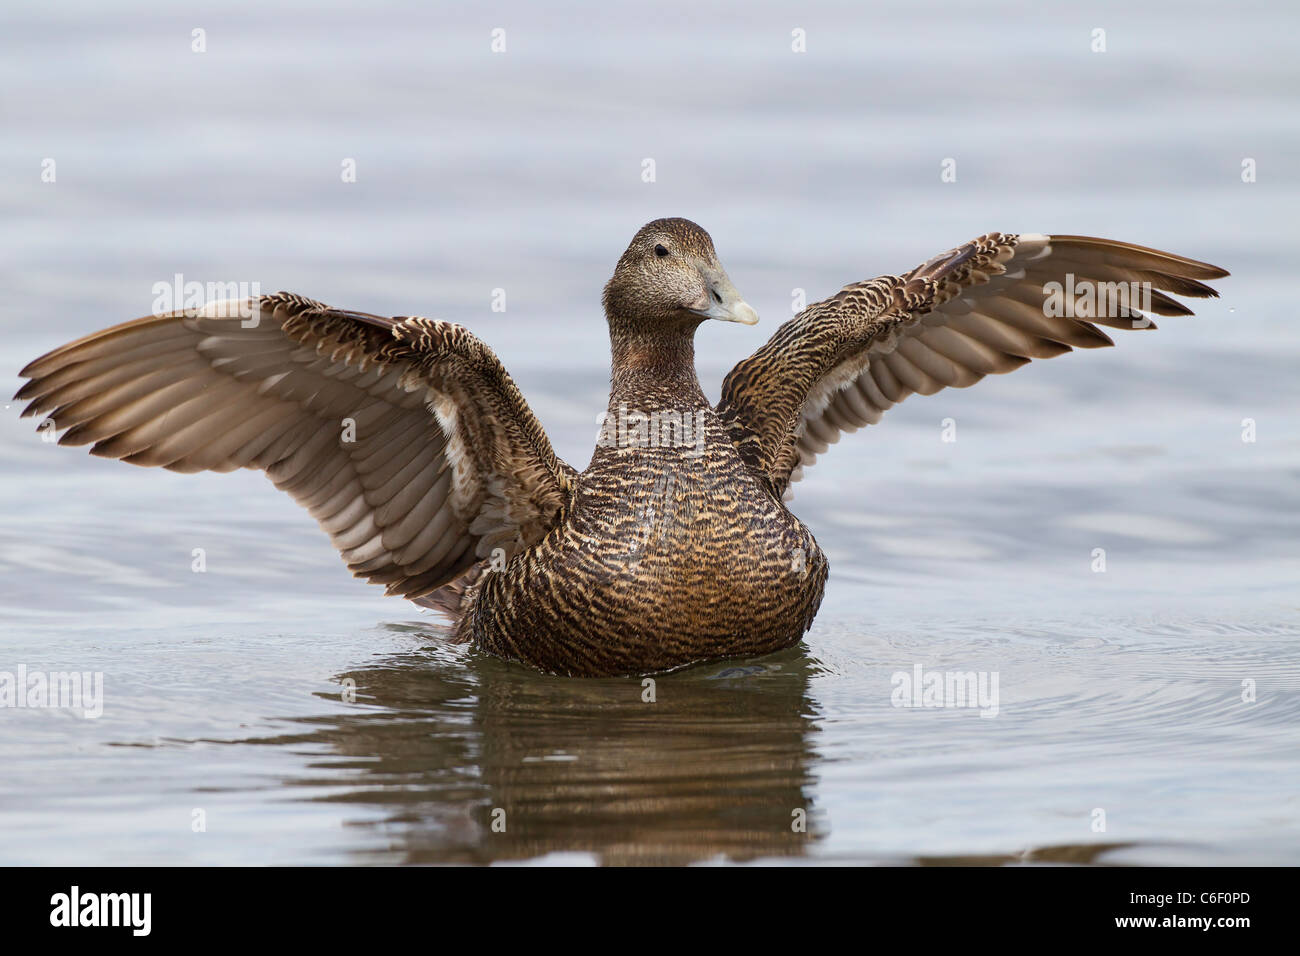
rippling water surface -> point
(1145, 714)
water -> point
(225, 692)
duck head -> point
(670, 275)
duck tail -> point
(453, 598)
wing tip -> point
(1188, 268)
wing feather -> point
(403, 437)
(984, 308)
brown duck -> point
(410, 444)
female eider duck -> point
(675, 545)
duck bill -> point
(724, 302)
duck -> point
(410, 444)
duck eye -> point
(660, 251)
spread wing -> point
(986, 307)
(405, 438)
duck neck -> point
(654, 367)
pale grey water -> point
(1119, 691)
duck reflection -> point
(470, 759)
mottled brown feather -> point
(975, 310)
